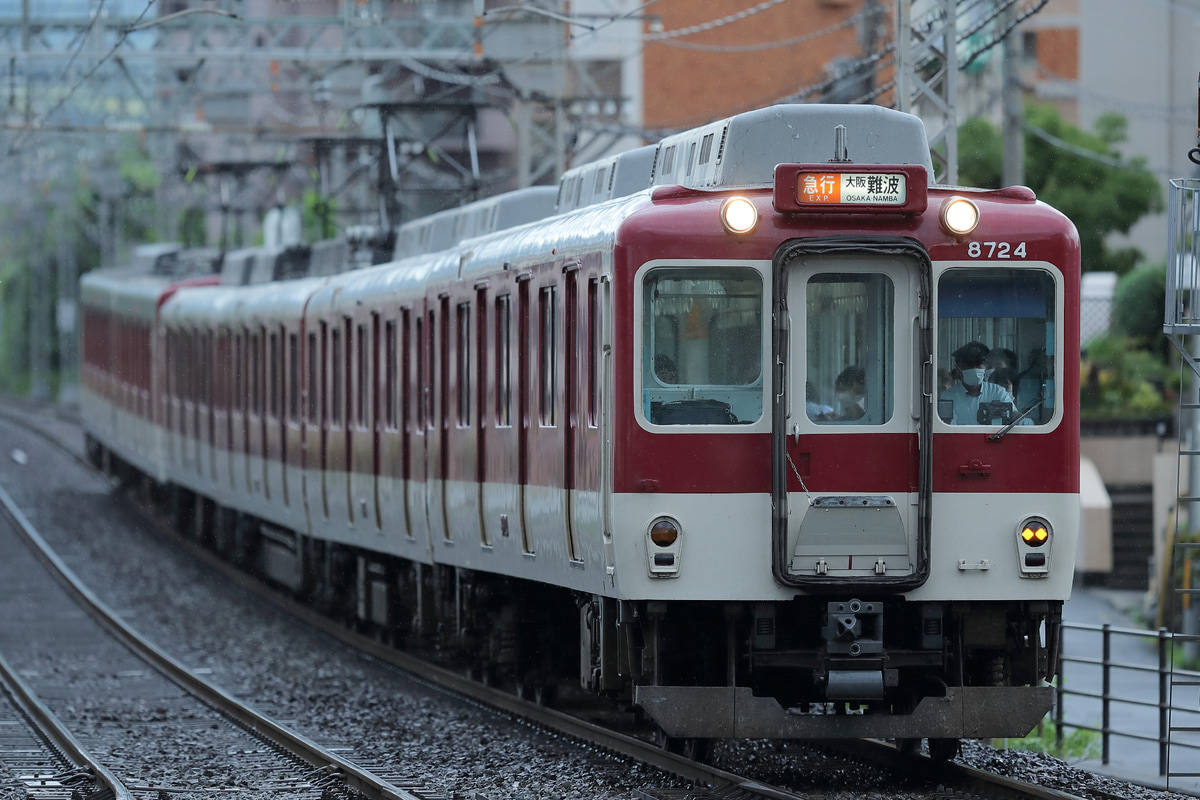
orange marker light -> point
(664, 533)
(1035, 535)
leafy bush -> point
(1118, 378)
(1129, 372)
(1138, 306)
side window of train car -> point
(315, 368)
(849, 359)
(462, 350)
(547, 356)
(702, 334)
(335, 377)
(390, 357)
(503, 360)
(996, 353)
(293, 381)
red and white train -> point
(679, 432)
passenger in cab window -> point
(850, 391)
(816, 410)
(999, 358)
(962, 402)
(1008, 379)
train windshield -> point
(995, 346)
(702, 335)
(850, 348)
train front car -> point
(845, 439)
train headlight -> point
(739, 215)
(1033, 547)
(959, 216)
(663, 545)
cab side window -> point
(702, 339)
(996, 359)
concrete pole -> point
(1014, 109)
(39, 328)
(67, 314)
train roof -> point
(125, 291)
(255, 265)
(261, 303)
(406, 277)
(616, 176)
(741, 152)
(444, 229)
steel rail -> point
(292, 742)
(48, 724)
(879, 752)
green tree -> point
(69, 202)
(1077, 172)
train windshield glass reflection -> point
(851, 348)
(1011, 313)
(702, 340)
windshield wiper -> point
(1000, 434)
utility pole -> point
(66, 312)
(39, 326)
(1014, 106)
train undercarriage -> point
(812, 667)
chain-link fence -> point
(1095, 305)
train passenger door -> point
(272, 417)
(362, 435)
(334, 447)
(571, 414)
(851, 442)
(312, 439)
(523, 412)
(481, 412)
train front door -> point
(851, 435)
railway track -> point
(45, 761)
(920, 775)
(146, 693)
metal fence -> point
(1138, 695)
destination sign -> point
(839, 188)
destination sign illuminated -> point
(839, 188)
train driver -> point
(960, 404)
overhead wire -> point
(713, 24)
(1000, 36)
(759, 46)
(14, 147)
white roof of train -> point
(258, 304)
(125, 291)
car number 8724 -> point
(996, 250)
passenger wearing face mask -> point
(959, 405)
(850, 389)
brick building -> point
(705, 59)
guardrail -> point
(1160, 694)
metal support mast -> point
(1180, 589)
(927, 76)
